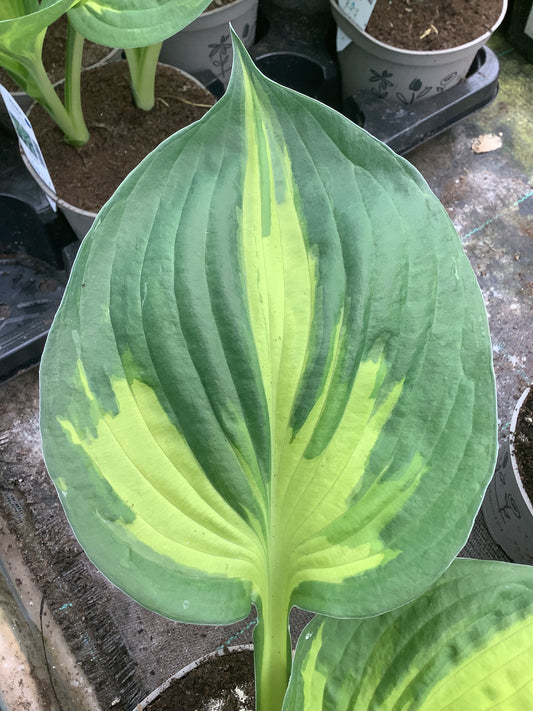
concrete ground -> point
(122, 651)
(489, 197)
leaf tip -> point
(242, 62)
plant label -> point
(358, 11)
(528, 29)
(27, 140)
(342, 40)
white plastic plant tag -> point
(358, 11)
(528, 29)
(342, 40)
(28, 140)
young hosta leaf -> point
(465, 644)
(23, 25)
(127, 24)
(270, 378)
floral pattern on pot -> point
(507, 508)
(204, 48)
(383, 81)
(418, 91)
(506, 505)
(221, 53)
(445, 81)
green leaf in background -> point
(127, 24)
(270, 378)
(23, 25)
(465, 645)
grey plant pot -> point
(156, 693)
(400, 76)
(205, 44)
(507, 510)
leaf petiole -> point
(142, 63)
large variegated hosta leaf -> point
(465, 645)
(270, 378)
(127, 24)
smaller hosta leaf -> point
(124, 24)
(465, 645)
(22, 30)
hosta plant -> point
(270, 378)
(465, 644)
(137, 27)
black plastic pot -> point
(297, 50)
(520, 29)
(33, 272)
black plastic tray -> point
(32, 271)
(30, 293)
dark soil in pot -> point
(225, 683)
(523, 444)
(121, 135)
(427, 25)
(54, 54)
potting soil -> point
(121, 134)
(523, 444)
(225, 683)
(427, 25)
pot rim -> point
(413, 52)
(514, 463)
(48, 191)
(219, 652)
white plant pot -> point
(205, 44)
(400, 76)
(80, 220)
(190, 667)
(507, 510)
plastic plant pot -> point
(79, 220)
(507, 509)
(400, 76)
(156, 694)
(205, 44)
